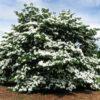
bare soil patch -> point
(5, 94)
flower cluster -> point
(42, 53)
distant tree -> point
(47, 51)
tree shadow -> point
(55, 92)
(58, 92)
(61, 92)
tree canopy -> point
(48, 51)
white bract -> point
(47, 51)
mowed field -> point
(5, 94)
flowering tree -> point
(46, 51)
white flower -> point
(70, 87)
(32, 23)
(98, 67)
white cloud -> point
(84, 2)
(7, 12)
(90, 2)
(89, 19)
(38, 3)
(26, 1)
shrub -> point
(47, 51)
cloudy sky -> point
(89, 10)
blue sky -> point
(89, 10)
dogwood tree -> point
(48, 51)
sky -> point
(88, 10)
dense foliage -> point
(48, 51)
